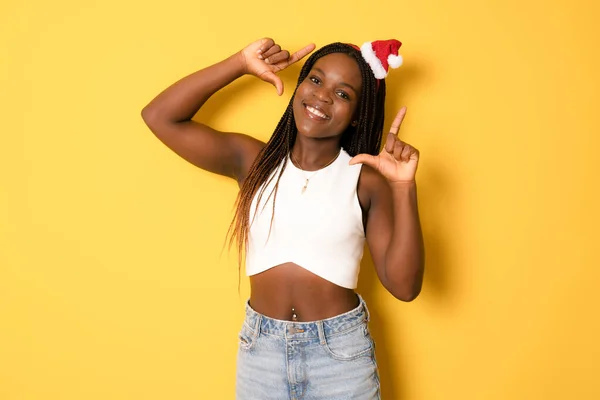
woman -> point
(308, 200)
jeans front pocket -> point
(351, 344)
(247, 337)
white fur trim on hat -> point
(374, 62)
(395, 61)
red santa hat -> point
(382, 54)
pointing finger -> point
(300, 54)
(398, 121)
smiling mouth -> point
(315, 113)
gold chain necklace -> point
(315, 172)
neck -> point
(313, 154)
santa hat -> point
(382, 54)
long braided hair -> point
(362, 138)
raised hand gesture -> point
(398, 160)
(264, 58)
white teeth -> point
(316, 112)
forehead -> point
(340, 67)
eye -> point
(343, 95)
(314, 79)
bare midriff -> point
(290, 292)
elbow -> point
(407, 295)
(409, 289)
(154, 119)
(148, 115)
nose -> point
(323, 95)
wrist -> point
(240, 63)
(403, 184)
(403, 189)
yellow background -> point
(112, 282)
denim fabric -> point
(331, 359)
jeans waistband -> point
(307, 330)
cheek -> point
(297, 103)
(354, 109)
(345, 111)
(300, 94)
(302, 88)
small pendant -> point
(304, 187)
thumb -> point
(274, 80)
(366, 159)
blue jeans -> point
(331, 359)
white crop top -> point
(320, 230)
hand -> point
(264, 58)
(398, 160)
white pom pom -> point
(394, 61)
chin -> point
(312, 130)
(318, 135)
(310, 133)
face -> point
(326, 101)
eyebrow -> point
(341, 83)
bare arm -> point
(169, 115)
(393, 227)
(394, 235)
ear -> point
(354, 123)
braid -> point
(364, 138)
